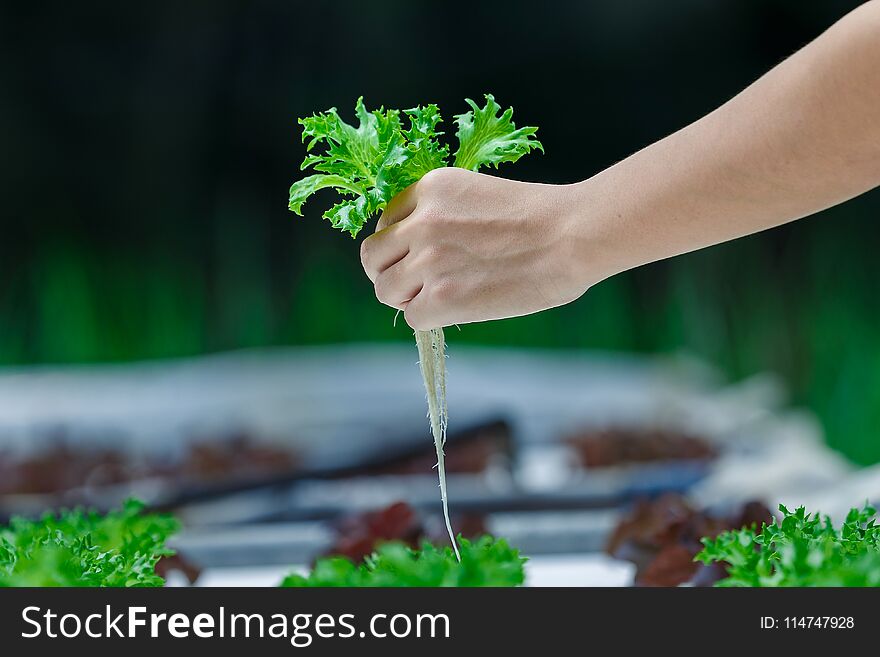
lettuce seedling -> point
(371, 163)
(387, 151)
(801, 549)
(84, 548)
(487, 562)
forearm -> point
(802, 138)
(459, 246)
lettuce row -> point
(83, 548)
(801, 549)
(486, 562)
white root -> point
(432, 362)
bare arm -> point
(460, 247)
(804, 137)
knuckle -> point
(366, 252)
(430, 258)
(415, 319)
(382, 288)
(444, 290)
(431, 219)
(432, 178)
(436, 181)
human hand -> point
(460, 246)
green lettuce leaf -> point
(486, 562)
(802, 549)
(485, 138)
(83, 548)
(370, 163)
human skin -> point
(459, 246)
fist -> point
(460, 246)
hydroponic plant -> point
(801, 549)
(387, 151)
(486, 562)
(84, 548)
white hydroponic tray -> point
(352, 399)
(556, 570)
(319, 398)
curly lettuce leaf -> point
(802, 549)
(422, 141)
(485, 138)
(370, 163)
(83, 548)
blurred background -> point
(147, 152)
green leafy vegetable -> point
(485, 138)
(370, 163)
(802, 549)
(83, 548)
(488, 562)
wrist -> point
(594, 228)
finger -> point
(382, 250)
(418, 312)
(398, 208)
(399, 283)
